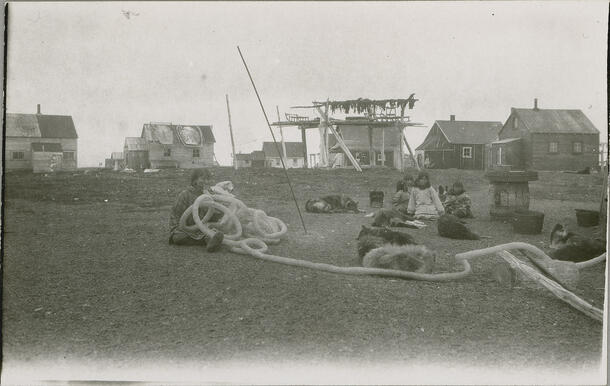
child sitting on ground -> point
(424, 203)
(400, 204)
(458, 203)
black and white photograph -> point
(305, 192)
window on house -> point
(18, 155)
(167, 152)
(553, 147)
(295, 161)
(68, 156)
(195, 153)
(467, 152)
(515, 123)
(499, 156)
(379, 157)
(577, 147)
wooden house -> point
(458, 144)
(358, 139)
(136, 153)
(256, 159)
(116, 161)
(27, 135)
(179, 146)
(294, 154)
(546, 139)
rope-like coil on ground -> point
(248, 231)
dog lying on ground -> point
(413, 258)
(334, 203)
(568, 246)
(371, 238)
(452, 227)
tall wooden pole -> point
(260, 102)
(304, 140)
(281, 133)
(231, 131)
(382, 146)
(371, 151)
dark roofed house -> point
(546, 139)
(458, 144)
(49, 139)
(254, 159)
(294, 154)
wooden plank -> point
(371, 151)
(344, 147)
(231, 132)
(304, 140)
(404, 138)
(281, 137)
(555, 288)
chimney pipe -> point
(535, 103)
(38, 109)
(452, 117)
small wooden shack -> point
(46, 157)
(294, 155)
(136, 153)
(458, 144)
(116, 161)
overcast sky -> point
(174, 62)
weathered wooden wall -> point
(181, 156)
(565, 158)
(24, 144)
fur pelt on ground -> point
(334, 203)
(413, 258)
(568, 246)
(452, 227)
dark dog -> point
(393, 218)
(568, 246)
(443, 192)
(413, 258)
(335, 203)
(452, 227)
(371, 238)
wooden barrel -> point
(509, 191)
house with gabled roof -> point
(546, 139)
(294, 154)
(458, 144)
(179, 146)
(40, 142)
(256, 159)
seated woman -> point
(400, 204)
(424, 203)
(457, 202)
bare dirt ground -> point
(89, 276)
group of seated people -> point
(417, 199)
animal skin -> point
(335, 203)
(568, 246)
(452, 227)
(412, 258)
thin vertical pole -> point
(231, 131)
(260, 102)
(304, 140)
(281, 133)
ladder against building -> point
(381, 114)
